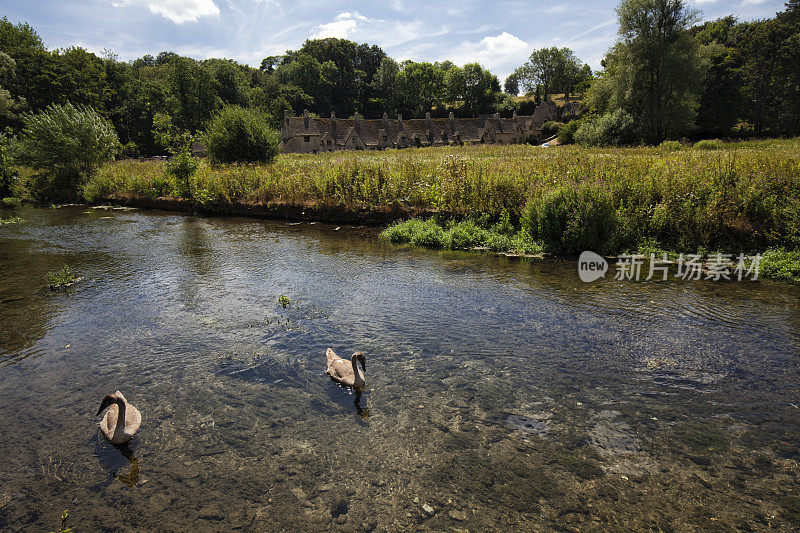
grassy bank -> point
(732, 197)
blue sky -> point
(498, 34)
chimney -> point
(427, 116)
(357, 122)
(400, 119)
(286, 115)
(497, 115)
(333, 114)
(385, 116)
(305, 118)
(452, 116)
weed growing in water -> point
(62, 278)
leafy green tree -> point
(384, 87)
(552, 70)
(472, 86)
(654, 71)
(512, 84)
(419, 87)
(8, 175)
(67, 143)
(239, 135)
(9, 106)
(194, 92)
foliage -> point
(780, 263)
(552, 70)
(11, 220)
(67, 143)
(62, 278)
(239, 135)
(743, 197)
(8, 175)
(655, 70)
(181, 167)
(708, 144)
(566, 134)
(573, 219)
(670, 146)
(551, 127)
(461, 235)
(616, 128)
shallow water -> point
(501, 394)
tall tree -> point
(552, 70)
(655, 70)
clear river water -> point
(502, 394)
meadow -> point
(735, 197)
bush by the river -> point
(501, 236)
(780, 263)
(239, 135)
(65, 144)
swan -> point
(347, 374)
(122, 420)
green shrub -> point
(182, 167)
(573, 219)
(670, 146)
(66, 144)
(779, 263)
(551, 127)
(708, 144)
(612, 129)
(566, 135)
(11, 202)
(241, 135)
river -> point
(502, 394)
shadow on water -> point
(118, 459)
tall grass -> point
(743, 195)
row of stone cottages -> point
(309, 134)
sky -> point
(498, 34)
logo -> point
(591, 266)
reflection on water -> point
(501, 394)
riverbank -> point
(737, 198)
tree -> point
(194, 91)
(655, 69)
(512, 84)
(552, 70)
(420, 87)
(269, 63)
(67, 143)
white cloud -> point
(342, 26)
(501, 54)
(178, 11)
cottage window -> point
(307, 138)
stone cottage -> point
(309, 134)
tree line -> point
(666, 77)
